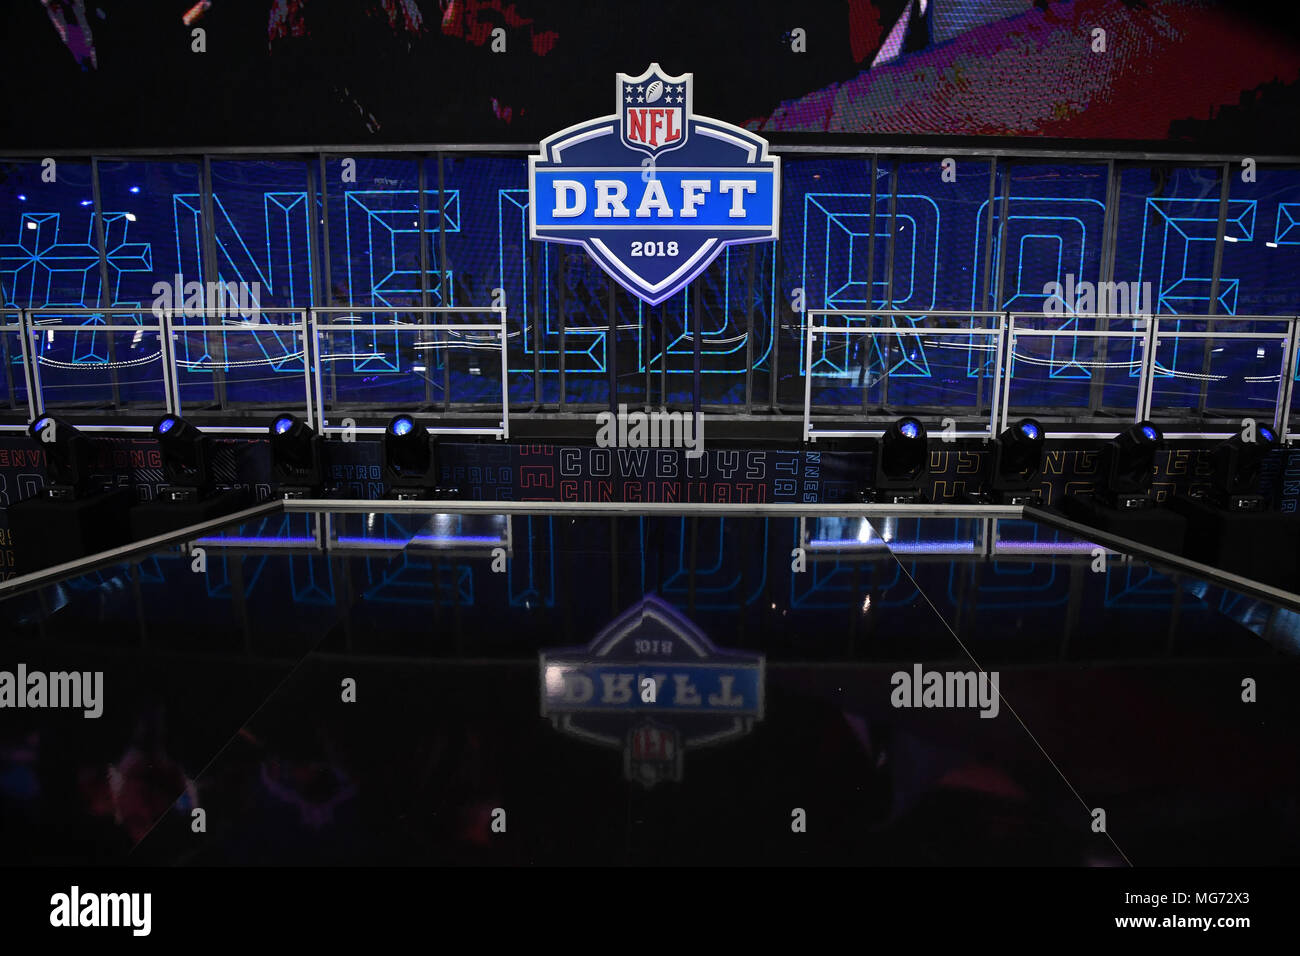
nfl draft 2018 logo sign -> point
(653, 192)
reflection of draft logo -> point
(653, 685)
(653, 192)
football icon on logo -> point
(654, 91)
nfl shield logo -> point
(653, 192)
(654, 107)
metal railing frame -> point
(33, 325)
(1282, 400)
(811, 329)
(168, 330)
(501, 431)
(11, 323)
(1008, 328)
(1143, 336)
(301, 328)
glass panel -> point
(1241, 377)
(830, 259)
(484, 229)
(264, 218)
(1067, 377)
(1261, 249)
(1264, 259)
(373, 225)
(374, 369)
(13, 381)
(1164, 256)
(153, 228)
(86, 370)
(262, 372)
(263, 221)
(371, 373)
(1055, 220)
(49, 254)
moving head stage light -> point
(902, 463)
(1122, 503)
(69, 518)
(296, 465)
(1128, 465)
(191, 495)
(1237, 461)
(67, 457)
(412, 465)
(1230, 526)
(186, 457)
(1018, 463)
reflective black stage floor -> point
(415, 688)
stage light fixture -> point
(902, 462)
(1237, 461)
(1128, 465)
(295, 457)
(70, 517)
(411, 464)
(1018, 463)
(67, 457)
(187, 459)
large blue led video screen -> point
(859, 232)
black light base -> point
(876, 496)
(1263, 546)
(50, 530)
(1157, 528)
(60, 492)
(161, 517)
(1032, 496)
(1028, 496)
(1138, 501)
(1230, 502)
(409, 494)
(298, 492)
(181, 494)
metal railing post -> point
(807, 375)
(29, 365)
(505, 379)
(307, 352)
(1289, 370)
(1004, 323)
(316, 365)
